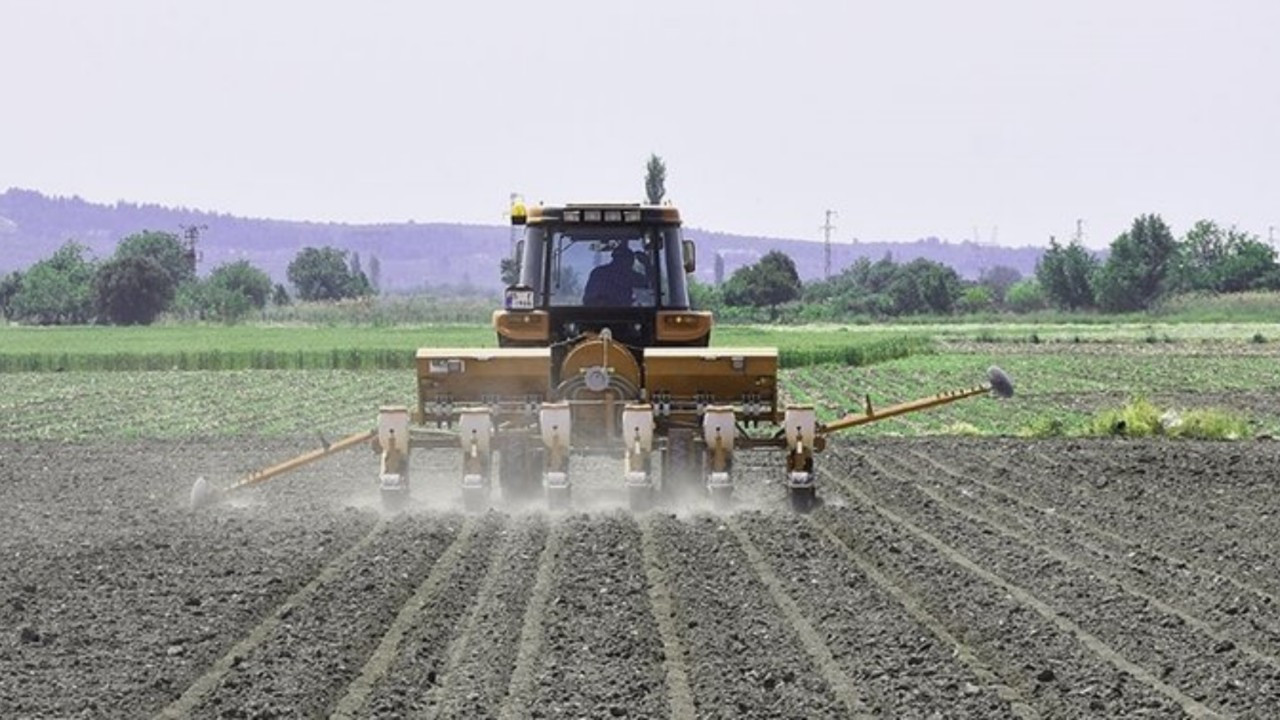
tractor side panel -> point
(510, 381)
(689, 379)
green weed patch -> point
(1141, 418)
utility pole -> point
(1079, 238)
(1271, 236)
(190, 236)
(827, 227)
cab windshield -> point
(592, 266)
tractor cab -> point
(584, 269)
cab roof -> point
(600, 214)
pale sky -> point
(910, 119)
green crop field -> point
(221, 347)
(197, 403)
(1067, 383)
(332, 379)
(362, 347)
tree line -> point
(153, 272)
(1144, 265)
(1147, 263)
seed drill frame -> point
(636, 380)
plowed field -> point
(943, 577)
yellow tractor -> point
(599, 352)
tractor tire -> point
(682, 467)
(520, 465)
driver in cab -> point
(612, 284)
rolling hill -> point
(411, 255)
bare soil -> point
(942, 577)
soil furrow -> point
(478, 669)
(967, 577)
(376, 666)
(116, 596)
(679, 695)
(196, 693)
(744, 661)
(990, 613)
(515, 703)
(1216, 524)
(814, 645)
(1240, 477)
(1174, 587)
(319, 646)
(1183, 660)
(1227, 554)
(970, 694)
(402, 671)
(601, 652)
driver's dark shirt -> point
(611, 285)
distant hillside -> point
(412, 255)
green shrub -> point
(962, 429)
(1208, 424)
(1026, 296)
(1045, 427)
(1139, 418)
